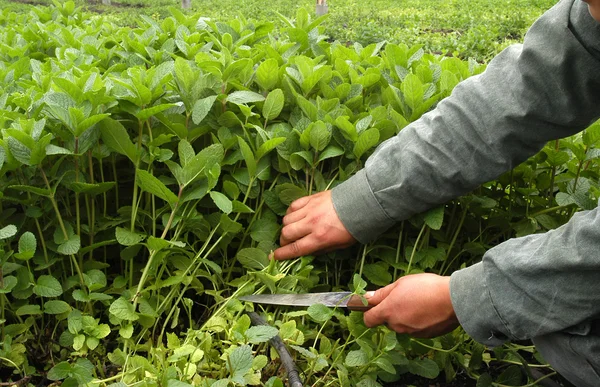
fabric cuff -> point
(359, 210)
(474, 308)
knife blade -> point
(330, 299)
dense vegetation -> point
(476, 29)
(144, 173)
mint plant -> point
(144, 174)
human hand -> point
(312, 225)
(418, 304)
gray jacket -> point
(545, 89)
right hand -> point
(311, 225)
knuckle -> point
(295, 248)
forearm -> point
(527, 287)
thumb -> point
(374, 316)
(379, 295)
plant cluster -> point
(144, 173)
(476, 29)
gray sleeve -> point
(534, 285)
(547, 88)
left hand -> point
(418, 304)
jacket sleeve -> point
(545, 89)
(531, 286)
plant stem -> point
(414, 250)
(153, 253)
(62, 225)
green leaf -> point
(330, 152)
(123, 309)
(88, 123)
(151, 184)
(27, 246)
(59, 371)
(202, 108)
(47, 286)
(240, 362)
(248, 156)
(9, 283)
(378, 273)
(157, 244)
(115, 136)
(201, 163)
(29, 310)
(56, 307)
(320, 312)
(186, 152)
(8, 231)
(357, 358)
(366, 140)
(264, 230)
(485, 380)
(260, 334)
(434, 218)
(128, 238)
(273, 104)
(253, 259)
(91, 189)
(222, 201)
(126, 331)
(511, 376)
(268, 146)
(144, 114)
(80, 295)
(412, 88)
(71, 246)
(288, 193)
(33, 190)
(244, 97)
(267, 74)
(426, 368)
(320, 136)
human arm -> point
(543, 90)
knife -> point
(330, 299)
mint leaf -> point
(115, 136)
(320, 312)
(201, 108)
(127, 238)
(222, 201)
(56, 307)
(240, 362)
(244, 97)
(273, 104)
(8, 231)
(151, 184)
(252, 258)
(260, 334)
(123, 309)
(47, 286)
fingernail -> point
(369, 294)
(271, 256)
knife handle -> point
(355, 303)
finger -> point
(293, 217)
(295, 249)
(293, 232)
(380, 294)
(298, 204)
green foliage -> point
(144, 175)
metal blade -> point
(331, 299)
